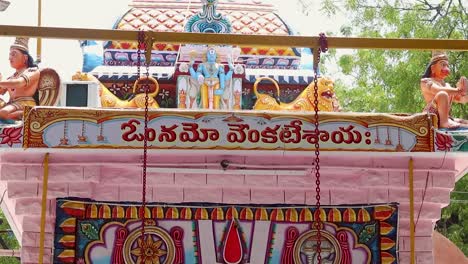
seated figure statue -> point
(439, 95)
(212, 79)
(22, 85)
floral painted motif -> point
(148, 251)
(11, 136)
(443, 142)
(164, 93)
(166, 98)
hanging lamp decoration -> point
(145, 44)
(64, 139)
(318, 225)
(100, 137)
(83, 138)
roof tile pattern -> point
(173, 20)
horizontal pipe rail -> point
(235, 39)
(10, 253)
(137, 165)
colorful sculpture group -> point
(207, 77)
(209, 85)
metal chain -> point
(141, 45)
(145, 141)
(318, 222)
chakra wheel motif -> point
(305, 248)
(156, 247)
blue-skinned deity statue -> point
(212, 79)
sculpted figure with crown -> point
(439, 95)
(22, 85)
(212, 79)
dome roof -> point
(244, 17)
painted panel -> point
(98, 232)
(238, 130)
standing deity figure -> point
(212, 79)
(439, 95)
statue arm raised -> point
(222, 77)
(198, 74)
(462, 96)
(231, 70)
(432, 88)
(461, 99)
(194, 73)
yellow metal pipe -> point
(235, 39)
(45, 182)
(39, 24)
(411, 196)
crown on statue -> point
(21, 43)
(438, 55)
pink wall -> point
(346, 178)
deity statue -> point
(22, 86)
(211, 80)
(439, 95)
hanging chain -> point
(65, 129)
(83, 128)
(318, 222)
(141, 46)
(145, 141)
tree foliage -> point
(454, 221)
(8, 240)
(388, 80)
(9, 260)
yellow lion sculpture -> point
(108, 99)
(305, 100)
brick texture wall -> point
(115, 176)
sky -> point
(65, 55)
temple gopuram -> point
(171, 63)
(191, 138)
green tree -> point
(9, 260)
(454, 221)
(8, 240)
(388, 80)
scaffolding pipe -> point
(39, 24)
(411, 196)
(45, 182)
(134, 165)
(235, 39)
(10, 253)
